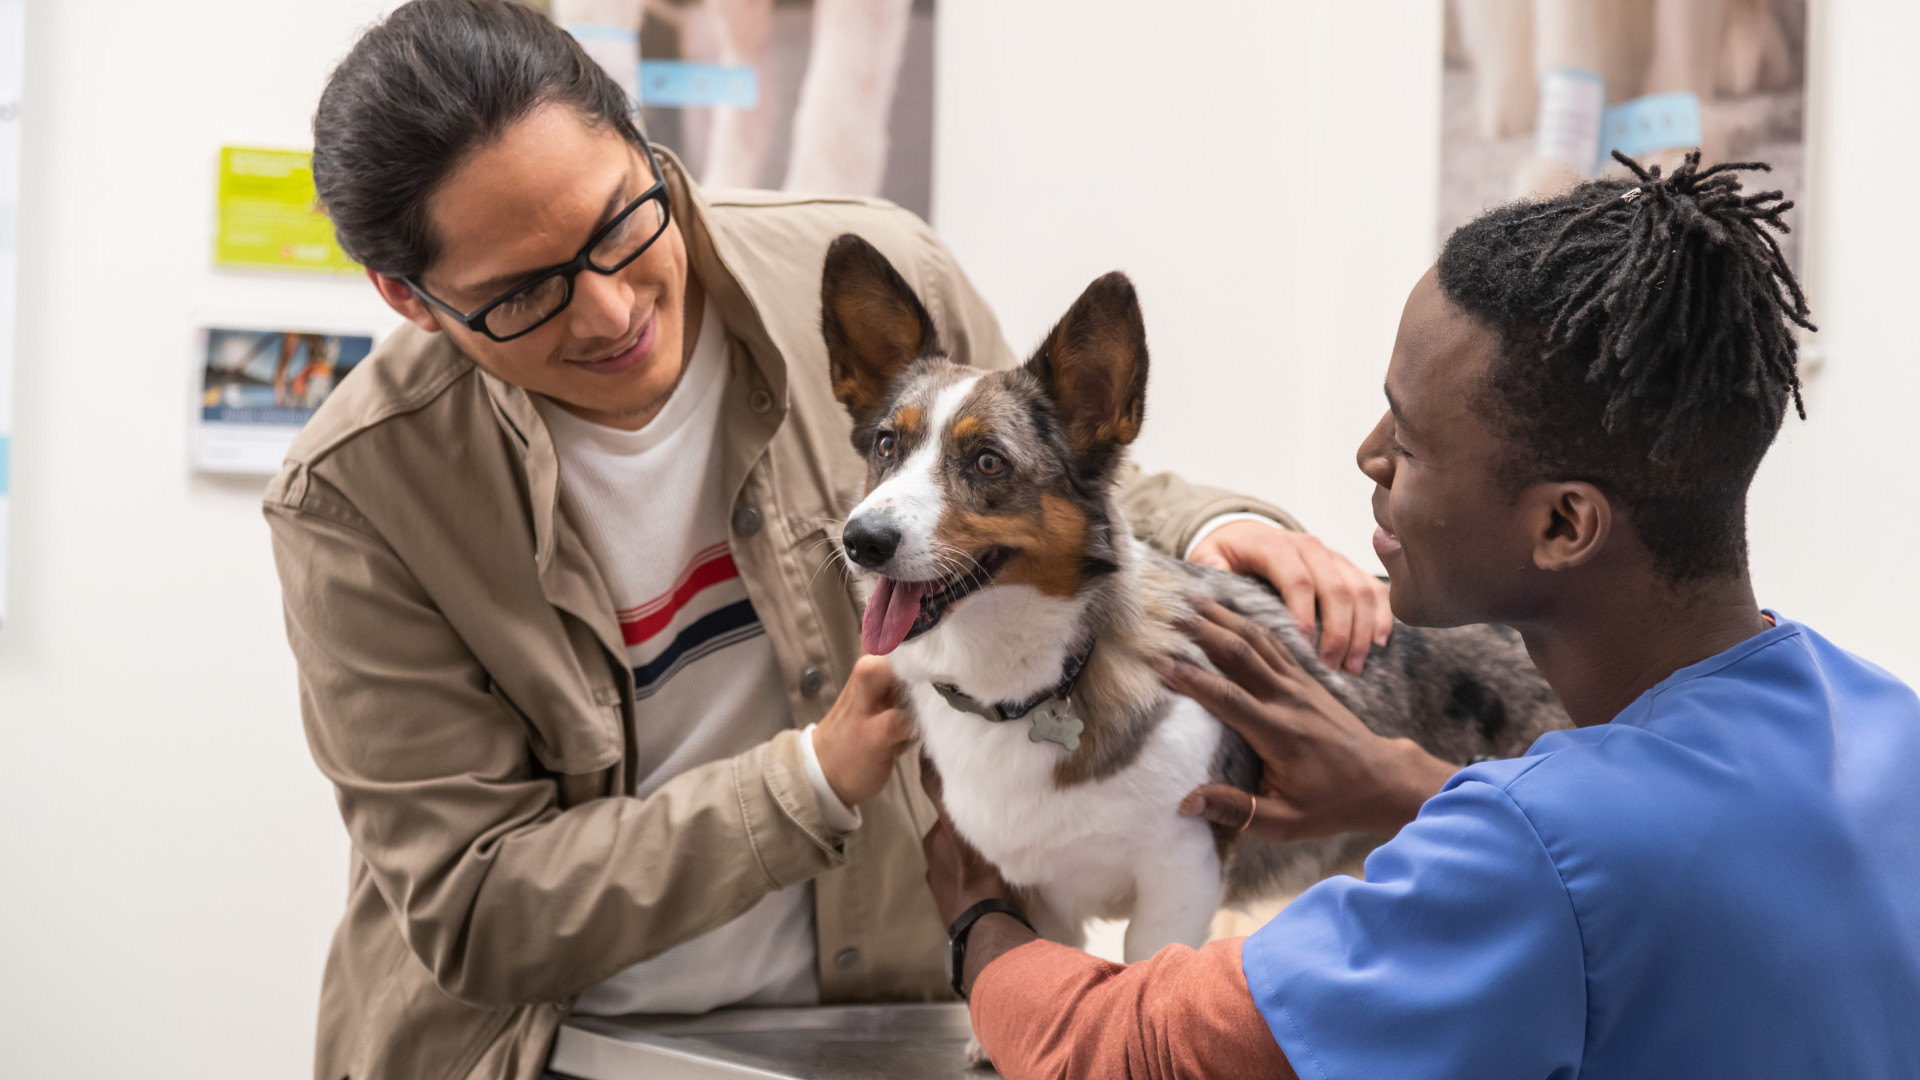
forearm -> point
(1045, 1010)
(1167, 512)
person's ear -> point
(1572, 521)
(401, 298)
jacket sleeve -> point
(1045, 1010)
(506, 897)
(1166, 511)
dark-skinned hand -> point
(1323, 771)
(961, 877)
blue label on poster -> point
(681, 83)
(1653, 122)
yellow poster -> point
(269, 216)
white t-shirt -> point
(653, 511)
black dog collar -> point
(1050, 712)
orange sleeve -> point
(1045, 1010)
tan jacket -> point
(465, 687)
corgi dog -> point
(1023, 619)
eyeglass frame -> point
(572, 268)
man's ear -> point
(873, 324)
(1093, 366)
(1572, 523)
(401, 298)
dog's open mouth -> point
(900, 610)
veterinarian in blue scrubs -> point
(1715, 874)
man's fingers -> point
(1383, 614)
(1360, 632)
(1221, 804)
(1337, 600)
(930, 782)
(1224, 698)
(1235, 656)
(1262, 639)
(1286, 571)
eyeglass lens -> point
(542, 299)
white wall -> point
(172, 862)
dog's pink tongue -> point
(890, 615)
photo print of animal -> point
(831, 97)
(1536, 94)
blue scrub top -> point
(1722, 882)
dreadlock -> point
(1647, 346)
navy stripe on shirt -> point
(704, 636)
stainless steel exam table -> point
(841, 1042)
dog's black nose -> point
(870, 542)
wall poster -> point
(833, 97)
(259, 386)
(1538, 92)
(12, 58)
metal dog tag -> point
(1053, 721)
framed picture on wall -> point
(258, 387)
(1537, 94)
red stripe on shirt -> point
(654, 616)
(705, 554)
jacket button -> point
(846, 958)
(760, 401)
(746, 521)
(810, 681)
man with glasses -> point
(557, 564)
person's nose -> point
(602, 306)
(1375, 456)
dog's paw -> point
(977, 1055)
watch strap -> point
(962, 926)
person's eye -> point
(990, 464)
(1400, 451)
(885, 444)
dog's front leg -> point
(1176, 893)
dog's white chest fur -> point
(1112, 847)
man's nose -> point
(1374, 457)
(870, 541)
(602, 306)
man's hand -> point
(961, 877)
(1323, 770)
(1353, 612)
(863, 733)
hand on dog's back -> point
(1324, 772)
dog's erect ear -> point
(873, 324)
(1093, 366)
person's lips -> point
(625, 358)
(1385, 543)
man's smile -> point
(624, 356)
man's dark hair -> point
(422, 90)
(1646, 328)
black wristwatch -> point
(962, 926)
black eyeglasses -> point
(529, 305)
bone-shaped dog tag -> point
(1054, 722)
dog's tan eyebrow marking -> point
(908, 418)
(968, 425)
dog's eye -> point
(885, 444)
(990, 464)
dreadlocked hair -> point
(1647, 346)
